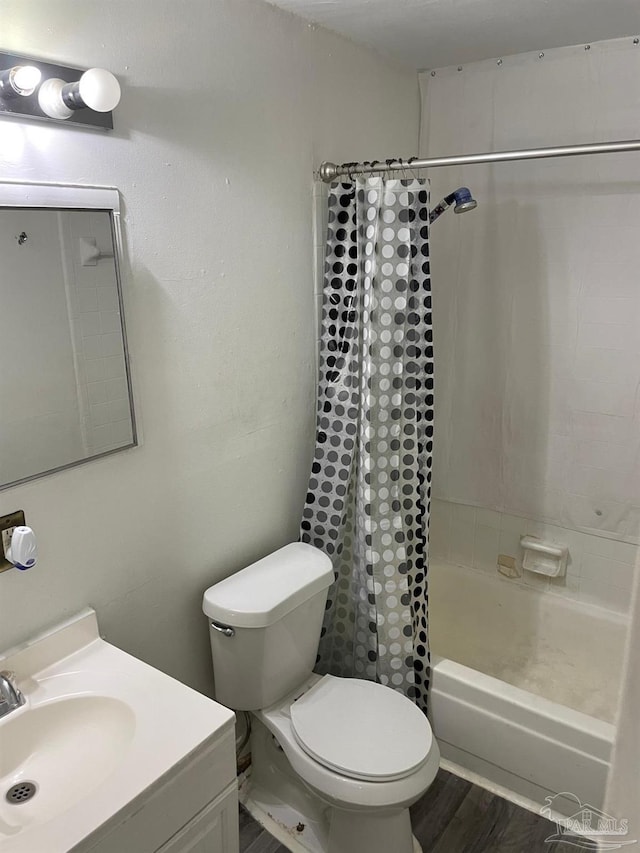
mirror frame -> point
(23, 194)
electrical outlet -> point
(6, 539)
(8, 524)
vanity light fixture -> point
(66, 94)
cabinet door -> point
(213, 830)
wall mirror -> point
(65, 387)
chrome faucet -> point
(10, 695)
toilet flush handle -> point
(223, 629)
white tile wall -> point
(600, 570)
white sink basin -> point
(66, 748)
(98, 728)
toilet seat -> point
(361, 729)
(338, 788)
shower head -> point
(460, 198)
(464, 200)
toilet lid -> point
(361, 729)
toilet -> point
(336, 762)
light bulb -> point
(99, 90)
(50, 99)
(19, 80)
(25, 78)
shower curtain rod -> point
(330, 171)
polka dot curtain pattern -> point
(367, 504)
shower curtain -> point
(367, 505)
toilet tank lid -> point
(266, 591)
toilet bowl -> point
(338, 735)
(336, 762)
(381, 776)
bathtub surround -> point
(599, 570)
(368, 501)
(529, 642)
(524, 687)
(551, 647)
(537, 310)
(220, 324)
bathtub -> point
(524, 686)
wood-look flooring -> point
(453, 816)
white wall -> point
(227, 107)
(537, 304)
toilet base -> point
(275, 796)
(352, 832)
(281, 820)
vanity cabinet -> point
(214, 830)
(192, 809)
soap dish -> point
(544, 558)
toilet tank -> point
(275, 609)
